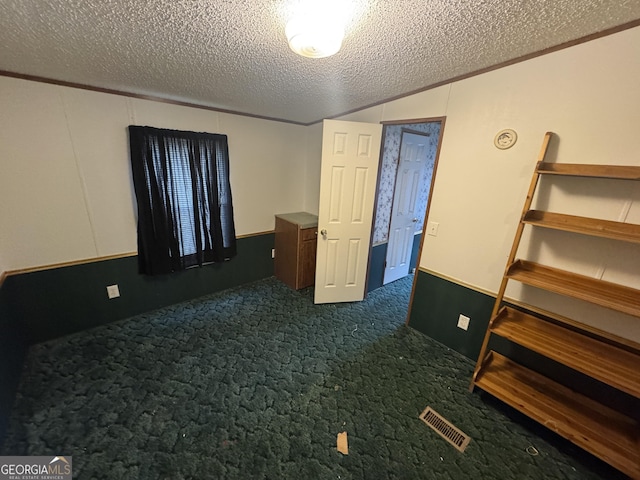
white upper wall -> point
(44, 214)
(66, 191)
(589, 96)
(586, 94)
(312, 180)
(268, 170)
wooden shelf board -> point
(603, 361)
(583, 170)
(606, 336)
(592, 426)
(599, 292)
(628, 232)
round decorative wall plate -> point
(505, 139)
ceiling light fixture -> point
(315, 36)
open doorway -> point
(388, 196)
(414, 172)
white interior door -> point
(348, 175)
(414, 152)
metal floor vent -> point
(447, 431)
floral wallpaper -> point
(391, 151)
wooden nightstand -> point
(296, 240)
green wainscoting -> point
(376, 266)
(13, 348)
(415, 250)
(42, 305)
(378, 257)
(60, 301)
(437, 303)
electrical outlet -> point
(113, 291)
(463, 322)
(432, 229)
(273, 253)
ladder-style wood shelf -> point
(606, 294)
(598, 428)
(588, 424)
(627, 232)
(605, 362)
(620, 172)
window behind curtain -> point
(185, 213)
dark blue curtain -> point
(185, 212)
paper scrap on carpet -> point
(343, 446)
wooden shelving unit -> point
(620, 172)
(603, 361)
(627, 232)
(598, 428)
(595, 427)
(606, 294)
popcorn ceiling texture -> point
(233, 54)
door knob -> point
(415, 220)
(323, 232)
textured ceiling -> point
(233, 55)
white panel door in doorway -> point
(414, 152)
(349, 171)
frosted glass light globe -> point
(314, 37)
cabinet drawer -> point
(308, 234)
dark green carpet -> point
(256, 382)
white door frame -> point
(443, 121)
(379, 264)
